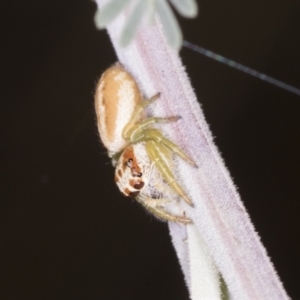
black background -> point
(66, 232)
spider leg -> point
(149, 101)
(136, 130)
(156, 136)
(138, 114)
(156, 154)
(153, 206)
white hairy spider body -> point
(141, 154)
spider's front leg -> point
(155, 207)
(137, 132)
(156, 136)
(156, 152)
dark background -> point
(66, 232)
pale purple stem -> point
(219, 215)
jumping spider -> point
(133, 144)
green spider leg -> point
(155, 152)
(138, 114)
(158, 147)
(154, 207)
(156, 136)
(136, 132)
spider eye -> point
(128, 163)
(139, 174)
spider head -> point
(132, 169)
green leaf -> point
(170, 24)
(187, 8)
(110, 11)
(132, 25)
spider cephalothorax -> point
(140, 152)
(133, 170)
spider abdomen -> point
(117, 95)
